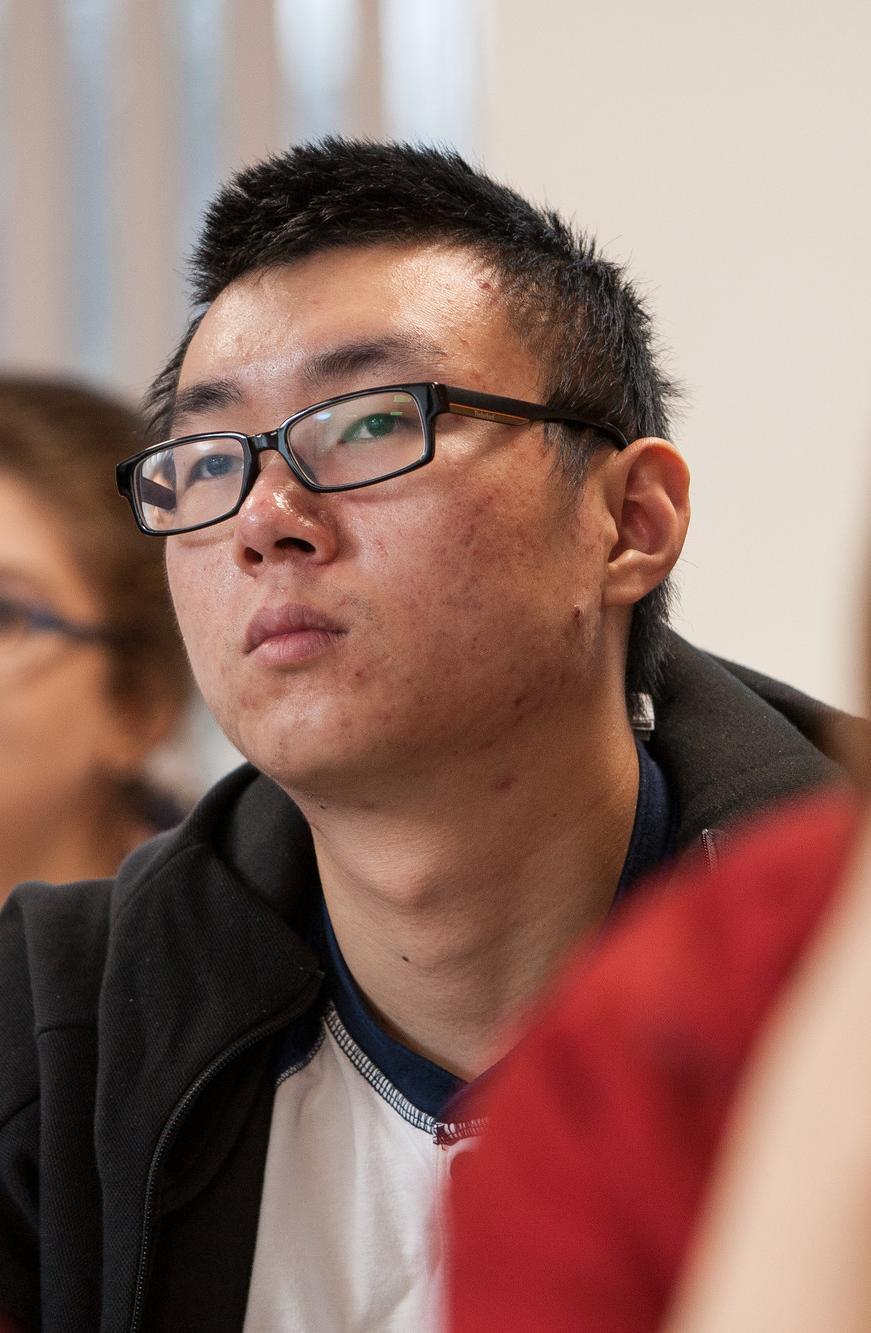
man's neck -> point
(453, 908)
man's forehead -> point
(317, 369)
(344, 315)
(427, 279)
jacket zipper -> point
(179, 1110)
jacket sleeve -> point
(19, 1128)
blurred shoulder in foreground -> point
(578, 1207)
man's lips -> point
(281, 622)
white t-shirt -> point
(350, 1237)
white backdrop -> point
(119, 118)
(723, 150)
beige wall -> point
(723, 150)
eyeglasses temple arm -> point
(516, 412)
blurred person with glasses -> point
(92, 672)
(410, 468)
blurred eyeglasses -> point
(26, 630)
(356, 439)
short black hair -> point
(580, 312)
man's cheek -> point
(210, 661)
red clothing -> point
(576, 1210)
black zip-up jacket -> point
(138, 1020)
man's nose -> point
(282, 520)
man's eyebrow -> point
(351, 358)
(203, 397)
(402, 355)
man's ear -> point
(647, 491)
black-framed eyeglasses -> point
(22, 624)
(343, 443)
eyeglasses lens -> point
(360, 439)
(188, 484)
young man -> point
(419, 517)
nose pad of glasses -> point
(261, 443)
(265, 443)
(271, 439)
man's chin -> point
(311, 779)
(341, 779)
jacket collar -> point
(725, 749)
(199, 963)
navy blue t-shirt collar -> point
(426, 1085)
